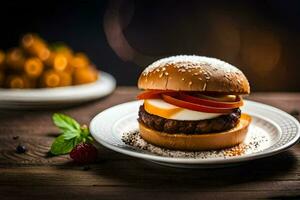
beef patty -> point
(219, 124)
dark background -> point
(260, 37)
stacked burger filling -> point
(195, 116)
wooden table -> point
(116, 176)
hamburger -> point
(192, 103)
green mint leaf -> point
(78, 140)
(89, 139)
(85, 131)
(65, 123)
(70, 135)
(61, 146)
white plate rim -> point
(265, 153)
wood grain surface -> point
(36, 175)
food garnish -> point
(72, 133)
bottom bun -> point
(197, 142)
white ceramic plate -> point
(279, 129)
(54, 97)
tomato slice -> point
(222, 98)
(210, 102)
(153, 94)
(193, 106)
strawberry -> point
(84, 153)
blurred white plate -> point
(56, 97)
(280, 130)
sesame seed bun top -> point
(194, 73)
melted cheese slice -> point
(163, 109)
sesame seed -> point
(192, 62)
(182, 79)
